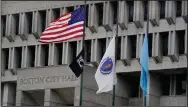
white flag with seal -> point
(105, 75)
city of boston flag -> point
(105, 75)
(77, 64)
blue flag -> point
(144, 66)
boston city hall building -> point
(37, 74)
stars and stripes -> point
(67, 26)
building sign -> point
(42, 78)
(47, 79)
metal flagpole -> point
(83, 47)
(187, 71)
(116, 39)
(147, 30)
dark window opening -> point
(5, 57)
(16, 22)
(114, 7)
(3, 25)
(45, 53)
(99, 7)
(18, 57)
(145, 9)
(31, 56)
(73, 46)
(87, 13)
(133, 79)
(119, 48)
(131, 10)
(70, 9)
(29, 18)
(165, 84)
(133, 39)
(181, 41)
(88, 50)
(178, 8)
(164, 40)
(43, 19)
(59, 52)
(162, 9)
(56, 13)
(150, 37)
(180, 78)
(102, 46)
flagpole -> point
(187, 72)
(83, 47)
(147, 30)
(116, 39)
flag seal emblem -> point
(106, 66)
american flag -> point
(67, 26)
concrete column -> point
(156, 50)
(52, 98)
(50, 52)
(140, 38)
(37, 55)
(77, 96)
(79, 46)
(9, 94)
(24, 99)
(123, 14)
(126, 50)
(153, 98)
(92, 18)
(54, 54)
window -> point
(70, 9)
(45, 50)
(118, 48)
(181, 41)
(145, 9)
(133, 80)
(56, 13)
(150, 37)
(88, 50)
(5, 57)
(164, 40)
(114, 7)
(131, 10)
(162, 9)
(133, 40)
(73, 46)
(29, 18)
(165, 84)
(3, 25)
(178, 8)
(87, 12)
(99, 7)
(180, 78)
(42, 14)
(16, 23)
(59, 51)
(18, 57)
(31, 56)
(102, 46)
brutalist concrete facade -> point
(38, 74)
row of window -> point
(169, 84)
(28, 24)
(60, 49)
